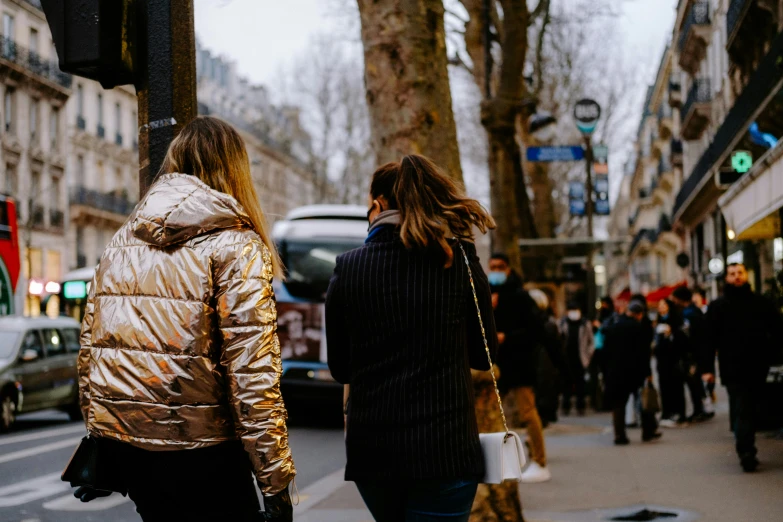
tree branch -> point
(458, 61)
(538, 64)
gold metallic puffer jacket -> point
(179, 345)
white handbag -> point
(504, 457)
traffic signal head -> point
(95, 39)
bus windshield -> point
(310, 263)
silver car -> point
(38, 366)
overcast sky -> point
(263, 35)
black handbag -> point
(96, 464)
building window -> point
(80, 100)
(118, 122)
(34, 111)
(81, 258)
(34, 42)
(101, 129)
(33, 263)
(35, 186)
(8, 109)
(80, 174)
(11, 181)
(54, 125)
(8, 27)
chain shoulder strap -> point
(484, 336)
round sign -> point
(683, 260)
(587, 113)
(715, 265)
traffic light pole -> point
(166, 80)
(591, 297)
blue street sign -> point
(566, 153)
(577, 207)
(576, 190)
(602, 207)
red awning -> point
(663, 292)
(624, 296)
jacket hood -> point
(179, 207)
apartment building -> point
(692, 209)
(729, 53)
(278, 146)
(33, 145)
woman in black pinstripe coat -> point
(403, 332)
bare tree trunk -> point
(407, 81)
(499, 113)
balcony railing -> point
(37, 216)
(56, 218)
(695, 112)
(695, 36)
(115, 203)
(699, 14)
(49, 70)
(734, 16)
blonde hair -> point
(211, 150)
(431, 204)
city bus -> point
(10, 265)
(309, 240)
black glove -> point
(278, 508)
(86, 493)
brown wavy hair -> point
(433, 207)
(214, 152)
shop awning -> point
(751, 206)
(663, 292)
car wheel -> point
(7, 413)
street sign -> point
(587, 113)
(565, 153)
(601, 153)
(576, 190)
(601, 207)
(601, 185)
(601, 168)
(741, 161)
(577, 207)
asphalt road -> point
(34, 453)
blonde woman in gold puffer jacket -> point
(180, 361)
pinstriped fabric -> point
(402, 331)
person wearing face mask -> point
(520, 332)
(745, 330)
(579, 348)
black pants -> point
(619, 401)
(672, 392)
(575, 387)
(208, 484)
(696, 391)
(743, 399)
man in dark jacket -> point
(745, 330)
(520, 330)
(694, 328)
(627, 358)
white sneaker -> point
(535, 473)
(668, 423)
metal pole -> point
(591, 297)
(166, 84)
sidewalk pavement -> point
(691, 471)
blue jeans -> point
(419, 501)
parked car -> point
(38, 366)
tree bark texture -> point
(407, 81)
(500, 111)
(494, 502)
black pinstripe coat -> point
(403, 331)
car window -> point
(32, 341)
(53, 342)
(71, 339)
(8, 344)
